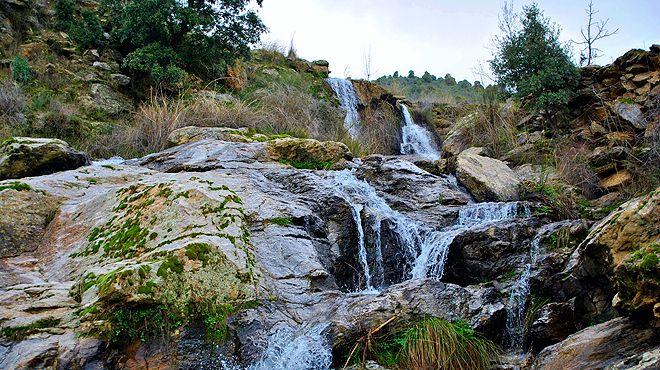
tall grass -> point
(494, 126)
(429, 344)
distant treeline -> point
(431, 89)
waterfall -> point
(431, 260)
(416, 139)
(426, 248)
(289, 349)
(519, 295)
(349, 102)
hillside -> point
(252, 213)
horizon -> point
(313, 28)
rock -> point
(120, 79)
(22, 157)
(622, 251)
(631, 113)
(553, 323)
(189, 134)
(26, 215)
(219, 97)
(321, 67)
(618, 342)
(109, 101)
(487, 179)
(102, 66)
(604, 155)
(302, 150)
(457, 140)
(616, 180)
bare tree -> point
(366, 64)
(596, 30)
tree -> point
(450, 80)
(167, 37)
(367, 67)
(427, 77)
(596, 30)
(396, 74)
(411, 74)
(531, 63)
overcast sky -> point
(439, 36)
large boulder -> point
(622, 251)
(616, 344)
(308, 150)
(22, 157)
(486, 178)
(189, 134)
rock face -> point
(301, 150)
(189, 134)
(21, 157)
(616, 344)
(487, 179)
(624, 248)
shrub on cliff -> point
(531, 62)
(205, 36)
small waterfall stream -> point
(427, 248)
(416, 139)
(290, 349)
(349, 102)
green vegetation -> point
(162, 39)
(20, 69)
(431, 343)
(282, 221)
(19, 332)
(15, 185)
(432, 89)
(531, 62)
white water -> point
(426, 247)
(349, 102)
(290, 349)
(416, 139)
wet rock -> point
(189, 134)
(487, 179)
(617, 344)
(22, 157)
(553, 323)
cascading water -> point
(431, 260)
(519, 295)
(349, 102)
(416, 139)
(289, 349)
(427, 248)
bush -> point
(157, 61)
(12, 105)
(531, 62)
(87, 31)
(64, 14)
(20, 69)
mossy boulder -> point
(23, 157)
(626, 246)
(309, 153)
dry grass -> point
(495, 126)
(381, 133)
(12, 105)
(573, 166)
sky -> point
(438, 36)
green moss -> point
(147, 288)
(649, 261)
(15, 185)
(199, 252)
(19, 332)
(170, 264)
(282, 221)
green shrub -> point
(87, 31)
(20, 69)
(64, 14)
(157, 61)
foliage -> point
(530, 61)
(430, 89)
(309, 164)
(64, 14)
(432, 343)
(168, 35)
(20, 69)
(87, 31)
(15, 185)
(12, 104)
